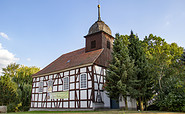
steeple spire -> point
(99, 18)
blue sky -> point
(36, 32)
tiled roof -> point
(72, 59)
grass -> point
(97, 112)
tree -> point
(121, 70)
(161, 55)
(143, 89)
(183, 58)
(166, 69)
(172, 98)
(8, 90)
(23, 79)
(145, 70)
(10, 70)
(18, 81)
(23, 75)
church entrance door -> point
(114, 104)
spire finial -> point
(99, 18)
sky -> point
(36, 32)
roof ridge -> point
(72, 51)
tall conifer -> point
(121, 70)
(142, 88)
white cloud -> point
(28, 59)
(6, 58)
(4, 35)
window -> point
(93, 44)
(68, 61)
(41, 83)
(108, 44)
(66, 83)
(50, 85)
(83, 81)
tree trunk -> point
(141, 104)
(161, 75)
(160, 83)
(126, 104)
(146, 105)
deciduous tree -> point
(167, 71)
(18, 81)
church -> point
(75, 80)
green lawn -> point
(97, 112)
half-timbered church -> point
(75, 80)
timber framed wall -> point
(101, 100)
(78, 98)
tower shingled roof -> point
(99, 25)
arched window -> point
(83, 80)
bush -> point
(153, 107)
(11, 107)
(172, 98)
(26, 108)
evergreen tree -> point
(143, 89)
(121, 70)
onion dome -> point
(99, 26)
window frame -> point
(41, 87)
(108, 44)
(85, 81)
(93, 44)
(64, 89)
(50, 81)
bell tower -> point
(100, 37)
